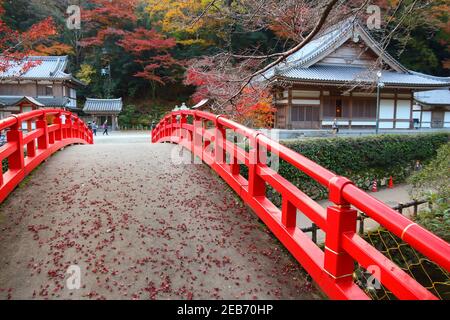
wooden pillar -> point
(350, 110)
(411, 123)
(113, 122)
(421, 112)
(321, 109)
(289, 110)
(395, 110)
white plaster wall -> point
(447, 119)
(402, 125)
(364, 123)
(403, 109)
(386, 109)
(426, 119)
(386, 125)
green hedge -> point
(361, 159)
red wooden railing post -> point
(234, 159)
(197, 139)
(43, 141)
(256, 185)
(51, 137)
(167, 127)
(340, 218)
(15, 135)
(75, 128)
(31, 147)
(288, 213)
(58, 132)
(219, 144)
(173, 123)
(183, 121)
(69, 126)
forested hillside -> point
(140, 49)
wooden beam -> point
(289, 110)
(395, 109)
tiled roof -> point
(433, 97)
(305, 65)
(354, 75)
(46, 68)
(103, 105)
(45, 101)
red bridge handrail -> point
(38, 143)
(333, 267)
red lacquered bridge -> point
(49, 131)
(204, 134)
(139, 227)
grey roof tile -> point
(433, 97)
(103, 105)
(46, 67)
(46, 101)
(352, 74)
(304, 65)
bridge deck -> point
(138, 227)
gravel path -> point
(138, 227)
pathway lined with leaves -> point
(139, 227)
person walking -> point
(105, 127)
(94, 128)
(335, 127)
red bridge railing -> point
(204, 134)
(47, 131)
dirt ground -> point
(138, 227)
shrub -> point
(362, 159)
(432, 183)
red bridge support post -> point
(43, 141)
(219, 144)
(16, 160)
(340, 219)
(256, 185)
(58, 132)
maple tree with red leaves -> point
(254, 108)
(151, 51)
(116, 22)
(16, 45)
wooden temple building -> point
(335, 77)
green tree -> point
(432, 182)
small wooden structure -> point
(102, 110)
(432, 108)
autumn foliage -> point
(116, 23)
(151, 50)
(255, 109)
(16, 45)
